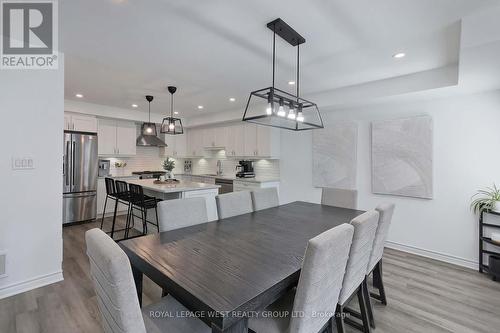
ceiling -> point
(117, 51)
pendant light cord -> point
(274, 52)
(149, 117)
(298, 64)
(172, 105)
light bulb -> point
(269, 109)
(300, 116)
(281, 110)
(149, 130)
(291, 113)
(171, 126)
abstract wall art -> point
(335, 155)
(402, 157)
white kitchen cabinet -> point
(106, 137)
(235, 140)
(215, 137)
(261, 141)
(208, 137)
(176, 145)
(126, 136)
(116, 138)
(79, 122)
(195, 143)
(250, 137)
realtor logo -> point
(29, 34)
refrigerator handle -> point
(65, 164)
(73, 165)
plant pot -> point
(496, 207)
(170, 175)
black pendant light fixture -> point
(149, 128)
(171, 125)
(277, 108)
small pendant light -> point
(171, 125)
(149, 128)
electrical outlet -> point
(22, 163)
(3, 264)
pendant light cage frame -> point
(172, 125)
(149, 128)
(277, 108)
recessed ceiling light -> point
(200, 107)
(291, 83)
(176, 112)
(135, 105)
(399, 55)
(79, 96)
(232, 99)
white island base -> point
(183, 189)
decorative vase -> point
(496, 207)
(170, 174)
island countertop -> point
(181, 186)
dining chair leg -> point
(164, 292)
(157, 220)
(145, 221)
(114, 218)
(363, 310)
(378, 282)
(369, 306)
(127, 223)
(104, 211)
(339, 319)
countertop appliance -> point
(80, 170)
(226, 185)
(188, 166)
(149, 174)
(245, 169)
(104, 168)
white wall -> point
(466, 157)
(31, 106)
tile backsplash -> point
(148, 158)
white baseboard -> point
(30, 284)
(433, 255)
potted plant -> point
(120, 168)
(486, 199)
(169, 165)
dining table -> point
(227, 270)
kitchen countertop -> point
(182, 186)
(234, 178)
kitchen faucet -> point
(219, 168)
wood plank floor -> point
(423, 295)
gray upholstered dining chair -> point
(365, 226)
(265, 198)
(233, 203)
(339, 197)
(318, 289)
(386, 211)
(117, 298)
(180, 213)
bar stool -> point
(117, 191)
(142, 202)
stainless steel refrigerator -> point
(79, 177)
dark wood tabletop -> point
(243, 263)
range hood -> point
(150, 141)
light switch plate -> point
(22, 163)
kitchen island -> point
(182, 189)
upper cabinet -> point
(176, 145)
(235, 146)
(116, 138)
(79, 122)
(240, 140)
(195, 144)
